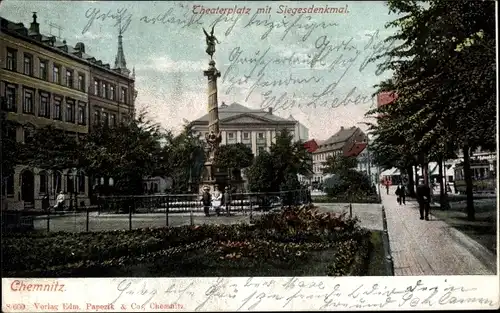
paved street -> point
(422, 247)
(369, 214)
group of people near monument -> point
(215, 200)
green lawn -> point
(483, 229)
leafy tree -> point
(186, 158)
(338, 164)
(286, 158)
(261, 174)
(127, 153)
(50, 148)
(444, 74)
(233, 156)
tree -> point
(261, 174)
(186, 158)
(444, 74)
(233, 157)
(127, 153)
(272, 171)
(50, 148)
(338, 164)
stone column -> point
(213, 125)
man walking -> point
(424, 200)
(403, 193)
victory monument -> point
(213, 137)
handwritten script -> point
(295, 60)
(285, 293)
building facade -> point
(112, 91)
(345, 142)
(44, 82)
(301, 132)
(238, 124)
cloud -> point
(165, 64)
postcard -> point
(248, 155)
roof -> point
(52, 44)
(229, 112)
(338, 140)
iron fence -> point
(140, 211)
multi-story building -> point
(347, 141)
(45, 82)
(238, 124)
(112, 93)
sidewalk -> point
(420, 247)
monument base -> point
(208, 178)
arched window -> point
(44, 182)
(70, 183)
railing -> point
(129, 212)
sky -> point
(308, 65)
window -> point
(81, 182)
(230, 135)
(11, 59)
(123, 97)
(28, 64)
(261, 136)
(81, 82)
(28, 102)
(44, 109)
(43, 182)
(70, 111)
(43, 70)
(124, 118)
(81, 114)
(28, 135)
(104, 90)
(70, 183)
(261, 149)
(69, 78)
(97, 117)
(113, 120)
(96, 87)
(112, 92)
(56, 78)
(57, 109)
(246, 136)
(105, 118)
(57, 181)
(10, 99)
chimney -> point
(80, 46)
(270, 110)
(35, 27)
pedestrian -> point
(387, 186)
(60, 201)
(424, 200)
(45, 203)
(206, 199)
(227, 199)
(398, 194)
(216, 200)
(403, 194)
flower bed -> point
(276, 244)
